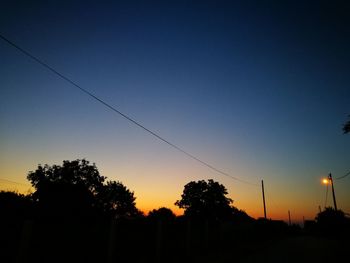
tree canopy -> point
(162, 213)
(206, 200)
(117, 200)
(77, 172)
(333, 222)
(77, 188)
(330, 216)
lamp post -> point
(327, 181)
(334, 201)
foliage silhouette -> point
(239, 215)
(15, 209)
(117, 200)
(332, 222)
(15, 205)
(330, 216)
(163, 213)
(77, 189)
(203, 199)
(157, 238)
(64, 199)
(70, 193)
(78, 172)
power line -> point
(342, 177)
(13, 182)
(120, 113)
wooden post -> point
(263, 194)
(290, 222)
(334, 201)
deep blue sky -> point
(260, 90)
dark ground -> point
(301, 249)
(146, 241)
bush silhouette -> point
(332, 222)
(163, 213)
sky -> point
(258, 89)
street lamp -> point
(327, 181)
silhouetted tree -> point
(77, 188)
(332, 222)
(205, 200)
(162, 213)
(69, 189)
(330, 216)
(239, 215)
(346, 127)
(117, 200)
(78, 172)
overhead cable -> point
(121, 113)
(341, 177)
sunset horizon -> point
(160, 94)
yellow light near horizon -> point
(325, 181)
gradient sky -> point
(259, 90)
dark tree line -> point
(74, 189)
(77, 189)
(66, 196)
(73, 210)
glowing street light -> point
(327, 181)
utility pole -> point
(334, 201)
(290, 222)
(263, 194)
